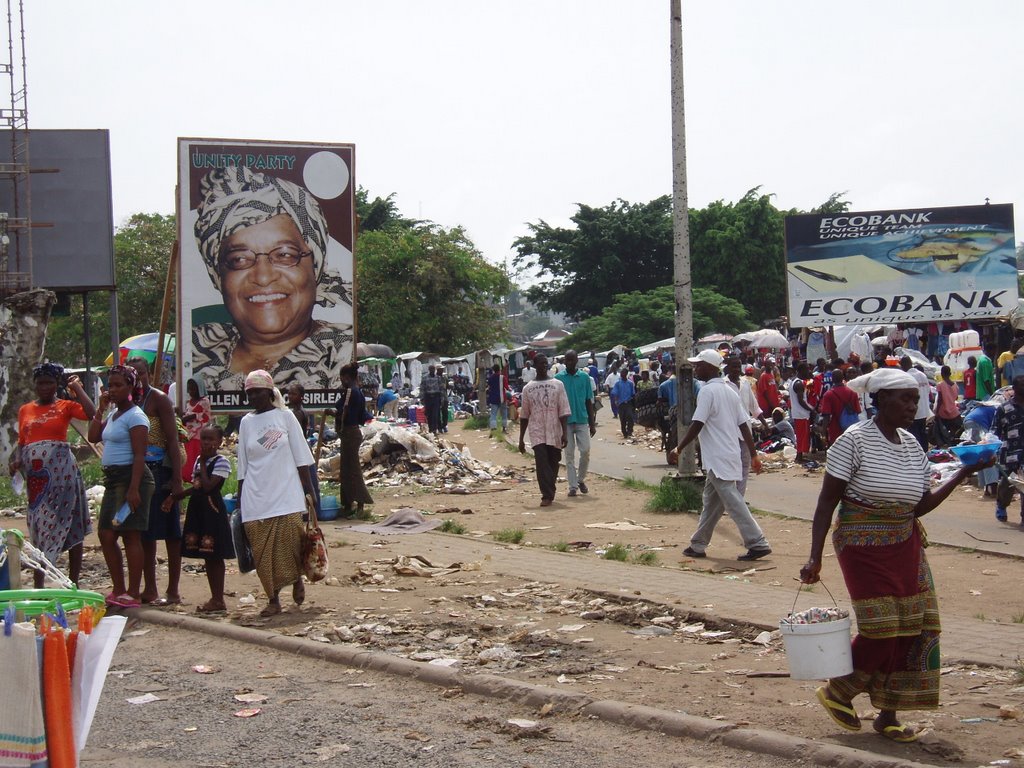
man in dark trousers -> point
(430, 394)
(544, 412)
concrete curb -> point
(493, 686)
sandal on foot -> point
(299, 592)
(901, 734)
(271, 610)
(123, 601)
(835, 709)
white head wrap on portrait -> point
(236, 197)
(882, 378)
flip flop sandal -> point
(163, 602)
(901, 734)
(123, 601)
(832, 707)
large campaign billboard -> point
(901, 266)
(266, 232)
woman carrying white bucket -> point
(878, 476)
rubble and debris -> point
(392, 455)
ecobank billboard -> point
(901, 266)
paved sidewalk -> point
(963, 640)
(959, 522)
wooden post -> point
(13, 543)
(172, 265)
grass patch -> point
(451, 526)
(980, 617)
(1018, 671)
(480, 421)
(646, 558)
(636, 484)
(364, 514)
(510, 535)
(1018, 619)
(560, 546)
(618, 552)
(675, 496)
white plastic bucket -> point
(818, 651)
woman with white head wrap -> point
(264, 242)
(878, 476)
(273, 476)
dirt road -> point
(310, 713)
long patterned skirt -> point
(277, 548)
(896, 650)
(58, 513)
(353, 489)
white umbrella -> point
(769, 338)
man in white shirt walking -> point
(721, 422)
(749, 402)
(919, 429)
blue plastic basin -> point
(970, 455)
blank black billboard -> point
(76, 252)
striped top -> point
(876, 470)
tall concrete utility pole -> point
(681, 248)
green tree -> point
(428, 289)
(142, 250)
(622, 247)
(640, 317)
(736, 249)
(739, 247)
(380, 214)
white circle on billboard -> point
(325, 175)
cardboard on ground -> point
(858, 270)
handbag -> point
(243, 549)
(314, 548)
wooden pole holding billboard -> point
(172, 266)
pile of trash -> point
(471, 629)
(392, 455)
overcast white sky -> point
(491, 114)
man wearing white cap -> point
(721, 422)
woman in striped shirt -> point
(878, 476)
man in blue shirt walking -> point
(623, 392)
(582, 422)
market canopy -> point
(364, 350)
(766, 338)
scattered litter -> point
(622, 525)
(248, 712)
(202, 669)
(146, 698)
(651, 631)
(250, 698)
(571, 627)
(403, 520)
(324, 754)
(247, 600)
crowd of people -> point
(873, 423)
